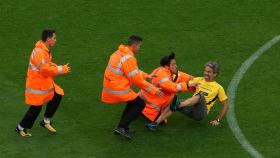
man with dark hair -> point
(198, 106)
(121, 72)
(134, 39)
(40, 86)
(47, 33)
(171, 81)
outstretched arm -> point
(221, 115)
(136, 76)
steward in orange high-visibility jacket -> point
(170, 80)
(40, 86)
(121, 72)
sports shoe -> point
(123, 132)
(175, 103)
(23, 132)
(153, 126)
(48, 126)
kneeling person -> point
(170, 81)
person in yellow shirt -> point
(198, 106)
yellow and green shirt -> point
(211, 90)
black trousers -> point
(33, 112)
(132, 110)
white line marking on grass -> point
(232, 121)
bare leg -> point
(166, 113)
(190, 101)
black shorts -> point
(197, 111)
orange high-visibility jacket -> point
(40, 84)
(155, 105)
(121, 71)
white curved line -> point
(232, 121)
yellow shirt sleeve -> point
(222, 94)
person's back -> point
(114, 79)
(119, 75)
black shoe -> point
(175, 103)
(130, 131)
(123, 132)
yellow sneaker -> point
(48, 126)
(23, 132)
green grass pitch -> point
(227, 31)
